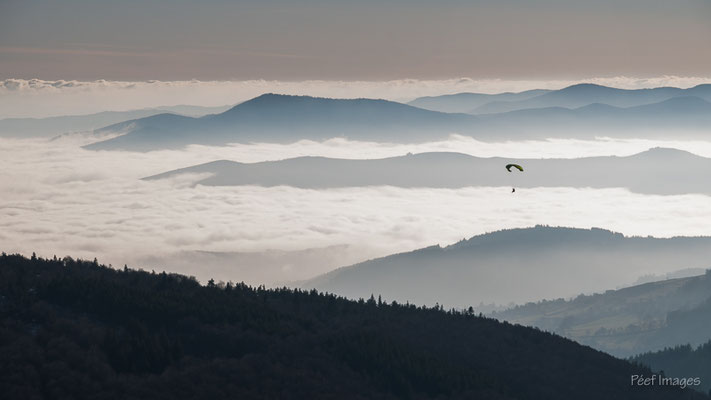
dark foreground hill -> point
(72, 329)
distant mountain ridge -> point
(688, 117)
(466, 102)
(581, 95)
(280, 118)
(286, 119)
(516, 266)
(681, 171)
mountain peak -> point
(268, 96)
(580, 87)
(665, 153)
(272, 97)
(277, 99)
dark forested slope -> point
(72, 329)
(681, 361)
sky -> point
(371, 40)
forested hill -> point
(73, 329)
(681, 361)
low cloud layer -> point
(155, 161)
(60, 199)
(41, 98)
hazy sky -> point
(366, 39)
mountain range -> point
(466, 102)
(286, 119)
(574, 96)
(680, 171)
(682, 117)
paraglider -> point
(518, 167)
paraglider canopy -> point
(518, 167)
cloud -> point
(60, 199)
(39, 98)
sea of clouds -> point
(58, 198)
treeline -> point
(72, 329)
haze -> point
(367, 40)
